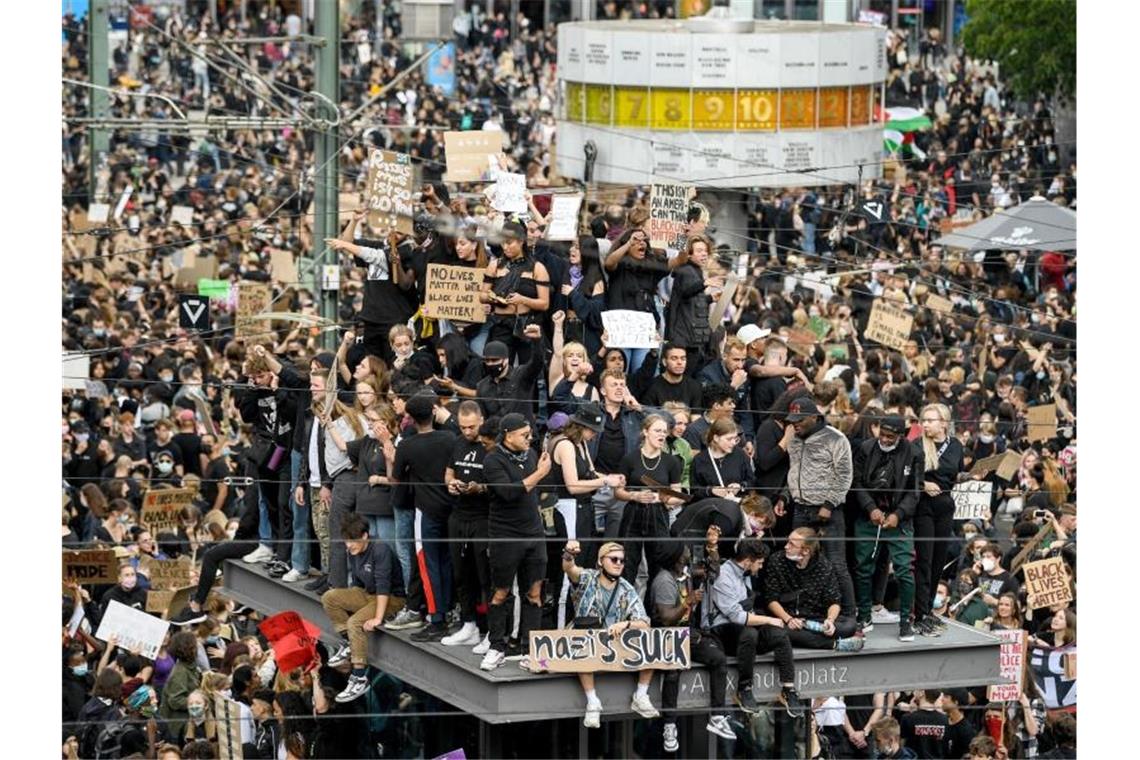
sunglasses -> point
(617, 560)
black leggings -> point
(933, 519)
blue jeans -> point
(809, 237)
(300, 557)
(477, 343)
(405, 530)
(383, 528)
(264, 529)
(634, 357)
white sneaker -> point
(493, 659)
(593, 717)
(340, 655)
(293, 576)
(719, 725)
(261, 554)
(465, 636)
(641, 705)
(357, 686)
(883, 615)
(482, 647)
(671, 744)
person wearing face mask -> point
(168, 466)
(941, 605)
(994, 579)
(888, 741)
(126, 591)
(886, 486)
(503, 390)
(802, 589)
(968, 606)
(183, 680)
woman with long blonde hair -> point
(934, 516)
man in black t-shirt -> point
(959, 731)
(468, 522)
(164, 444)
(512, 474)
(673, 384)
(924, 729)
(421, 463)
(994, 579)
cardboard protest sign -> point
(1047, 583)
(161, 506)
(889, 325)
(167, 574)
(1031, 546)
(1005, 465)
(1041, 422)
(389, 192)
(937, 303)
(801, 340)
(588, 651)
(158, 601)
(453, 293)
(668, 215)
(1012, 665)
(284, 266)
(195, 268)
(91, 567)
(136, 630)
(564, 217)
(253, 299)
(717, 314)
(972, 499)
(509, 195)
(179, 598)
(466, 154)
(627, 328)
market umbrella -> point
(1036, 224)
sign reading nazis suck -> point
(586, 651)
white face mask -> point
(888, 449)
(988, 564)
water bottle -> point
(813, 625)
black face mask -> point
(494, 369)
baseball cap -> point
(496, 349)
(750, 333)
(512, 422)
(800, 408)
(893, 424)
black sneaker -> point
(793, 703)
(936, 622)
(276, 568)
(747, 702)
(318, 584)
(866, 626)
(430, 633)
(906, 630)
(923, 628)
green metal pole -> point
(98, 138)
(325, 223)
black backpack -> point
(109, 741)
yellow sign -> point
(631, 107)
(672, 109)
(833, 107)
(860, 105)
(756, 110)
(713, 110)
(575, 101)
(797, 109)
(599, 104)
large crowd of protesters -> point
(464, 484)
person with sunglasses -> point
(604, 599)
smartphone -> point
(1042, 513)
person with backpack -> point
(99, 711)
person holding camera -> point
(730, 619)
(886, 484)
(677, 592)
(802, 589)
(606, 600)
(518, 289)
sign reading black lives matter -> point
(390, 179)
(668, 215)
(587, 651)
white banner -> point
(972, 499)
(626, 328)
(136, 630)
(563, 217)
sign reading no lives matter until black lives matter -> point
(587, 651)
(453, 293)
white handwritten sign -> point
(1011, 664)
(629, 329)
(564, 217)
(668, 215)
(136, 630)
(587, 651)
(972, 500)
(509, 195)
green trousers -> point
(900, 543)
